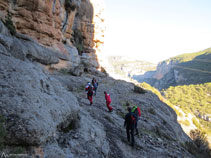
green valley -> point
(195, 99)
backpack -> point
(131, 119)
(137, 111)
(90, 90)
(95, 85)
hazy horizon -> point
(155, 30)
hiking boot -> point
(137, 134)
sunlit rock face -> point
(99, 23)
(42, 20)
(163, 68)
(56, 23)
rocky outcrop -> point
(163, 68)
(185, 69)
(63, 25)
(39, 113)
(47, 115)
(160, 134)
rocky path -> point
(150, 143)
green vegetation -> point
(64, 71)
(18, 150)
(191, 99)
(194, 99)
(78, 40)
(69, 5)
(200, 146)
(185, 122)
(71, 126)
(154, 90)
(9, 23)
(188, 56)
(151, 133)
(157, 92)
(2, 131)
(191, 68)
(196, 123)
(121, 114)
(152, 111)
(139, 89)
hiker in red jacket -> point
(108, 101)
(89, 90)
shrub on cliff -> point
(2, 132)
(138, 89)
(69, 5)
(78, 40)
(9, 24)
(200, 146)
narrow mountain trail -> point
(152, 141)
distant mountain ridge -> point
(128, 67)
(185, 69)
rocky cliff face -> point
(163, 68)
(193, 68)
(63, 25)
(47, 114)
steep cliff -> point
(185, 69)
(63, 25)
(45, 113)
(48, 115)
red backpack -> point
(139, 111)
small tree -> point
(9, 23)
(200, 140)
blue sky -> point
(154, 30)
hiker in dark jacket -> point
(130, 121)
(136, 110)
(89, 90)
(95, 85)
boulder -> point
(33, 103)
(138, 89)
(3, 29)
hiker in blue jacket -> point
(95, 85)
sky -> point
(155, 30)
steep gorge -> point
(45, 110)
(184, 69)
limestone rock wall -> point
(60, 24)
(47, 115)
(163, 68)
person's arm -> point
(136, 117)
(106, 97)
(125, 120)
